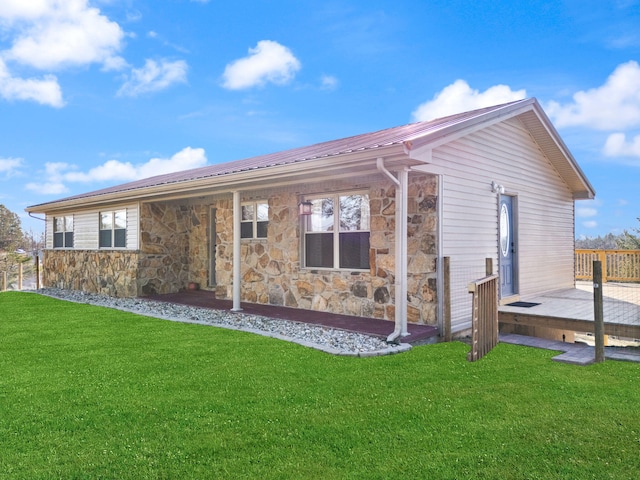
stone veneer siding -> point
(173, 247)
(271, 268)
(112, 272)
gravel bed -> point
(330, 340)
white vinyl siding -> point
(86, 228)
(543, 212)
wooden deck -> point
(572, 309)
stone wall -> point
(111, 272)
(271, 272)
(173, 247)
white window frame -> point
(334, 229)
(254, 221)
(113, 229)
(67, 227)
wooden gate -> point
(484, 313)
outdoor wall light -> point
(304, 208)
(495, 188)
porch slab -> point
(418, 334)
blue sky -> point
(96, 93)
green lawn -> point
(88, 392)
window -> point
(63, 232)
(337, 232)
(255, 220)
(113, 229)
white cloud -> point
(586, 212)
(267, 62)
(115, 170)
(618, 146)
(59, 173)
(53, 185)
(154, 76)
(460, 97)
(590, 224)
(9, 166)
(11, 10)
(328, 82)
(53, 34)
(47, 188)
(45, 91)
(612, 106)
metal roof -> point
(403, 135)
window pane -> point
(120, 219)
(58, 224)
(58, 238)
(354, 213)
(321, 218)
(68, 239)
(263, 212)
(68, 224)
(106, 222)
(262, 229)
(319, 250)
(354, 250)
(246, 230)
(105, 238)
(247, 212)
(120, 237)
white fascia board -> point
(589, 192)
(466, 127)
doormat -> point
(522, 304)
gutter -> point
(400, 283)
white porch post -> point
(237, 218)
(401, 250)
(400, 284)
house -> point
(316, 227)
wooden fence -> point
(484, 316)
(6, 278)
(617, 265)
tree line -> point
(627, 240)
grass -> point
(89, 392)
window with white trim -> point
(113, 229)
(255, 220)
(63, 232)
(337, 232)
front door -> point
(507, 246)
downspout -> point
(237, 217)
(401, 183)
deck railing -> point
(617, 265)
(484, 316)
